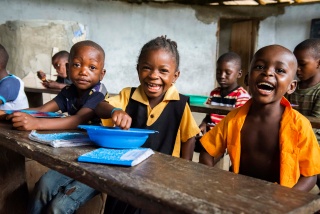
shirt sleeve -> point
(188, 126)
(309, 154)
(214, 141)
(93, 100)
(9, 89)
(242, 98)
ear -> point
(240, 73)
(176, 76)
(292, 87)
(103, 72)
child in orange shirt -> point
(266, 138)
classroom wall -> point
(122, 29)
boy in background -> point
(59, 62)
(12, 95)
(306, 97)
(55, 192)
(266, 138)
(229, 93)
(155, 104)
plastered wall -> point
(122, 29)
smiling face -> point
(60, 64)
(86, 67)
(307, 64)
(272, 74)
(157, 71)
(227, 74)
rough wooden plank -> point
(164, 184)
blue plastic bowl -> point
(114, 137)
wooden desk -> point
(35, 95)
(207, 109)
(161, 184)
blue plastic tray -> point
(114, 137)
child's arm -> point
(23, 121)
(203, 124)
(205, 158)
(119, 117)
(53, 84)
(305, 183)
(187, 149)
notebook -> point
(65, 139)
(124, 157)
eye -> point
(146, 68)
(164, 70)
(280, 70)
(77, 65)
(259, 67)
(92, 67)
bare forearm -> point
(103, 110)
(305, 183)
(187, 149)
(205, 158)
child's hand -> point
(23, 121)
(3, 115)
(121, 118)
(42, 76)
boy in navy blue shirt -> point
(55, 192)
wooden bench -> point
(162, 183)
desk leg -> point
(13, 185)
(34, 99)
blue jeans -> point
(57, 193)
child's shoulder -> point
(309, 89)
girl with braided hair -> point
(155, 104)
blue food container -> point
(114, 137)
(197, 99)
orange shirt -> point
(299, 149)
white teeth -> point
(153, 85)
(267, 84)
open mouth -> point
(153, 87)
(265, 86)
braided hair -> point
(164, 43)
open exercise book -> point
(66, 139)
(124, 157)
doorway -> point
(239, 36)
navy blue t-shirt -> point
(69, 102)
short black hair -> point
(86, 43)
(161, 42)
(4, 57)
(312, 44)
(60, 54)
(230, 56)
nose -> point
(269, 71)
(154, 74)
(83, 72)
